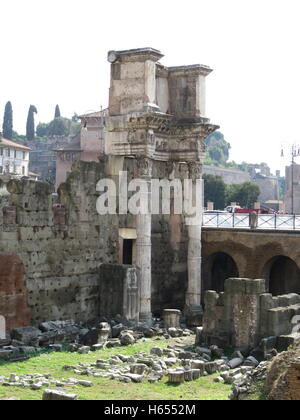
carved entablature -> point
(146, 137)
(153, 121)
(159, 137)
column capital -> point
(144, 166)
(195, 170)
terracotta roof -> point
(98, 114)
(9, 143)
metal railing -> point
(243, 221)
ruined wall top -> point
(134, 55)
(138, 82)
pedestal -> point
(171, 318)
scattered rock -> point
(234, 363)
(175, 332)
(135, 378)
(157, 351)
(86, 384)
(127, 339)
(55, 395)
(84, 350)
(26, 334)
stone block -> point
(55, 395)
(234, 363)
(171, 318)
(245, 286)
(25, 334)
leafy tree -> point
(214, 190)
(42, 130)
(57, 112)
(245, 194)
(8, 122)
(217, 149)
(75, 118)
(75, 128)
(30, 128)
(59, 127)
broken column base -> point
(171, 318)
(146, 319)
(194, 316)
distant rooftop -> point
(9, 143)
(97, 114)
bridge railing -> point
(242, 221)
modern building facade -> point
(87, 146)
(14, 158)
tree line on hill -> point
(215, 189)
(217, 154)
(59, 126)
(222, 195)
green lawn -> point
(108, 389)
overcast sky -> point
(55, 51)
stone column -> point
(193, 295)
(242, 317)
(172, 318)
(143, 246)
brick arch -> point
(13, 292)
(218, 267)
(282, 274)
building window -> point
(24, 155)
(1, 169)
(15, 154)
(8, 152)
(23, 170)
(1, 151)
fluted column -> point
(193, 295)
(143, 244)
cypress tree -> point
(57, 112)
(8, 122)
(30, 128)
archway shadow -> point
(282, 275)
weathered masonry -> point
(244, 314)
(265, 254)
(155, 129)
(50, 257)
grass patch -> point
(107, 389)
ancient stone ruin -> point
(112, 279)
(64, 259)
(245, 316)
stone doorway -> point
(127, 252)
(127, 246)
